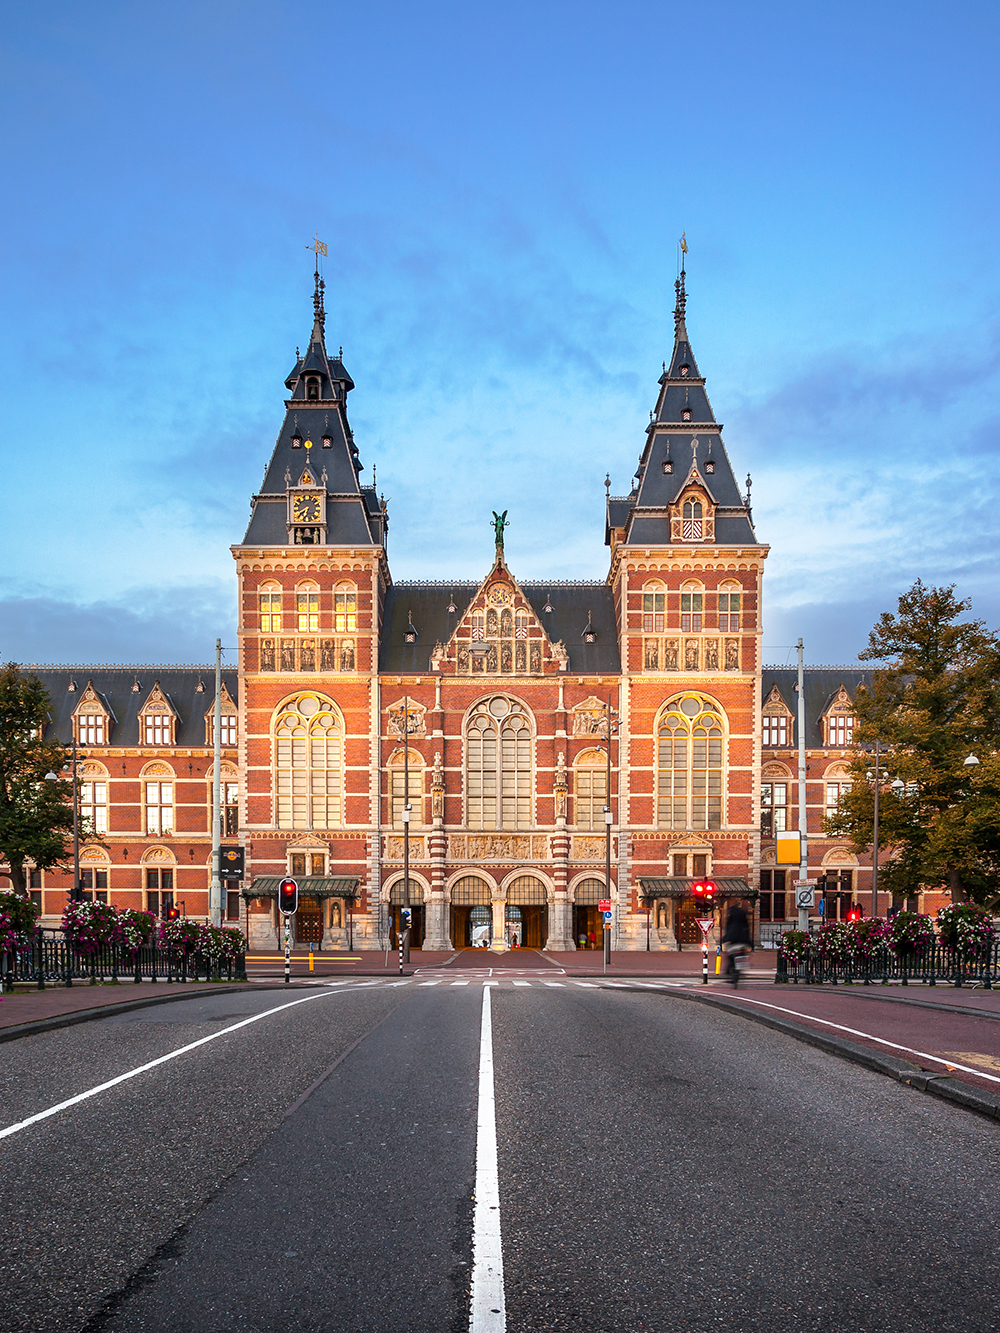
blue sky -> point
(501, 191)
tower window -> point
(690, 765)
(652, 612)
(691, 609)
(729, 612)
(312, 389)
(270, 612)
(307, 608)
(693, 525)
(345, 609)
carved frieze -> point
(394, 848)
(590, 849)
(498, 847)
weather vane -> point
(318, 247)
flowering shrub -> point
(179, 937)
(966, 927)
(833, 941)
(221, 944)
(794, 946)
(136, 928)
(18, 920)
(911, 933)
(866, 936)
(91, 926)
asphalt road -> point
(663, 1166)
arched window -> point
(345, 608)
(690, 763)
(590, 789)
(308, 757)
(527, 891)
(729, 607)
(470, 891)
(270, 608)
(693, 525)
(498, 765)
(692, 604)
(653, 608)
(403, 782)
(307, 608)
(589, 892)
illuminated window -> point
(270, 609)
(94, 805)
(308, 751)
(159, 807)
(498, 765)
(345, 609)
(307, 611)
(690, 764)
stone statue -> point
(499, 523)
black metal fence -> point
(53, 962)
(933, 966)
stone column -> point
(436, 915)
(499, 943)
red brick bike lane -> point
(952, 1035)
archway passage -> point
(527, 897)
(416, 914)
(588, 924)
(309, 922)
(467, 893)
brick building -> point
(483, 706)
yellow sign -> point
(789, 850)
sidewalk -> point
(23, 1006)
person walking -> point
(736, 940)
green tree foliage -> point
(36, 816)
(934, 699)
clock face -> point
(305, 508)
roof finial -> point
(319, 313)
(607, 484)
(681, 302)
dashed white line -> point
(522, 983)
(460, 983)
(488, 1310)
(560, 984)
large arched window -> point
(591, 786)
(498, 765)
(689, 760)
(308, 764)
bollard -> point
(718, 959)
(311, 960)
(704, 964)
(400, 953)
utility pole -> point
(215, 893)
(803, 816)
(407, 910)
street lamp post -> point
(607, 827)
(406, 830)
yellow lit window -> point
(307, 604)
(270, 612)
(345, 609)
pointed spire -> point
(680, 306)
(319, 309)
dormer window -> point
(709, 467)
(686, 414)
(693, 524)
(668, 465)
(685, 370)
(312, 389)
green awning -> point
(310, 886)
(678, 887)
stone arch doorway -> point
(527, 913)
(468, 892)
(416, 913)
(588, 925)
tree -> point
(36, 816)
(933, 701)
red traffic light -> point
(288, 896)
(855, 913)
(173, 913)
(703, 890)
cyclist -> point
(736, 940)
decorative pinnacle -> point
(681, 304)
(319, 312)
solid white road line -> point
(856, 1032)
(161, 1060)
(488, 1313)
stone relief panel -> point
(498, 847)
(394, 848)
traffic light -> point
(173, 913)
(288, 896)
(407, 914)
(76, 894)
(704, 893)
(855, 913)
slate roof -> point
(572, 604)
(821, 685)
(114, 686)
(644, 513)
(354, 516)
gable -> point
(499, 634)
(775, 703)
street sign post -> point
(805, 896)
(604, 904)
(705, 924)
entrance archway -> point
(416, 913)
(588, 925)
(466, 893)
(527, 896)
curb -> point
(107, 1010)
(938, 1085)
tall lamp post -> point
(76, 892)
(406, 829)
(607, 823)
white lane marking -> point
(591, 984)
(397, 983)
(856, 1032)
(488, 1312)
(560, 984)
(491, 983)
(460, 983)
(160, 1060)
(522, 983)
(428, 983)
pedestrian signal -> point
(288, 896)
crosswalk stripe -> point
(560, 984)
(460, 983)
(522, 983)
(428, 983)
